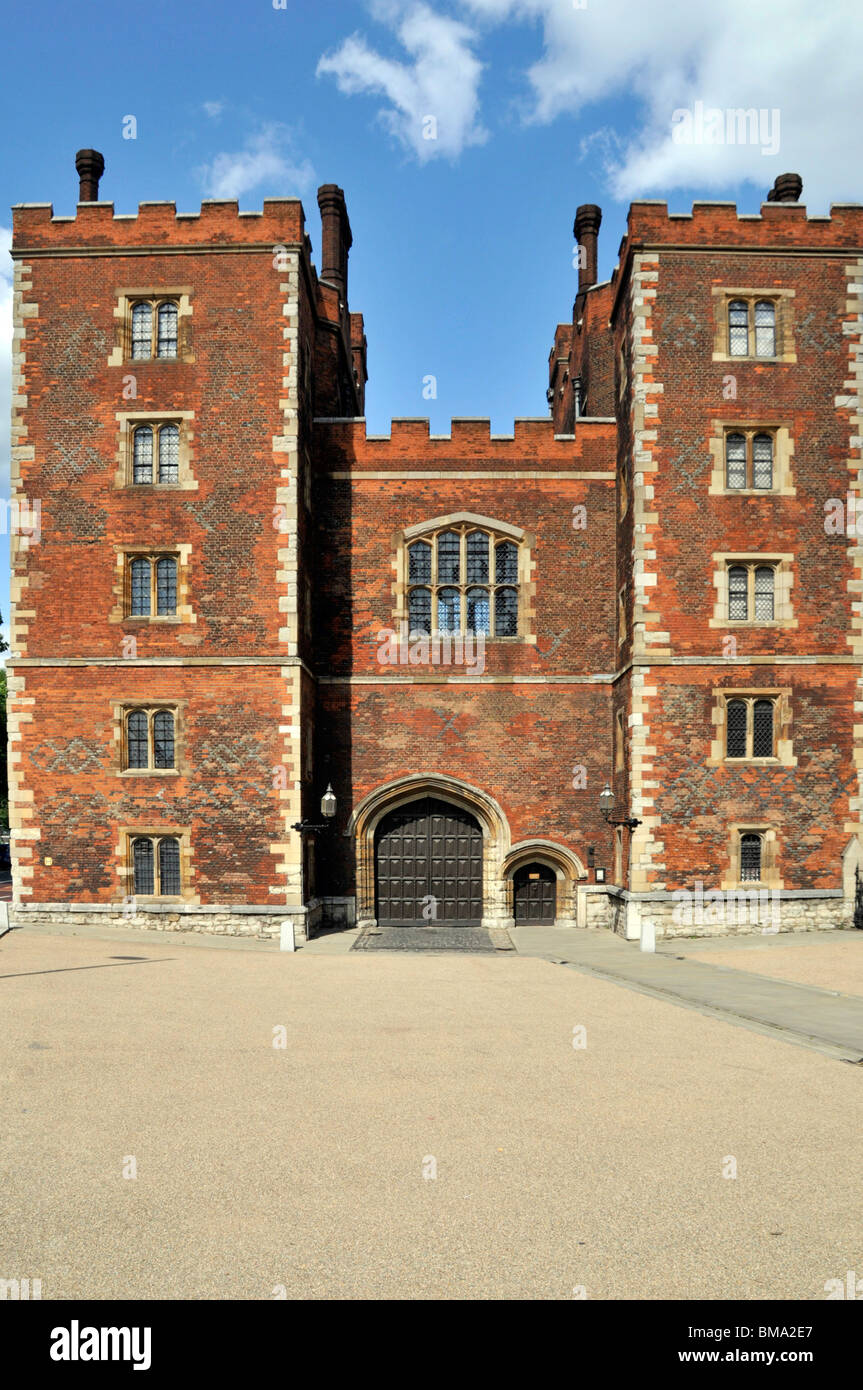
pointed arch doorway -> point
(429, 865)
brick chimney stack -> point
(786, 189)
(91, 167)
(336, 239)
(586, 231)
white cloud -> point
(266, 158)
(214, 109)
(790, 56)
(433, 98)
(787, 55)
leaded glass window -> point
(738, 593)
(463, 579)
(419, 610)
(762, 461)
(506, 563)
(142, 455)
(449, 610)
(735, 460)
(738, 328)
(762, 729)
(163, 739)
(750, 858)
(167, 341)
(419, 563)
(169, 866)
(166, 585)
(142, 331)
(448, 558)
(137, 739)
(169, 454)
(142, 858)
(477, 558)
(736, 729)
(140, 585)
(764, 594)
(478, 611)
(765, 328)
(506, 613)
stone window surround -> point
(770, 876)
(127, 422)
(123, 555)
(499, 531)
(621, 616)
(783, 613)
(125, 866)
(122, 709)
(782, 298)
(782, 719)
(783, 451)
(125, 302)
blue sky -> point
(463, 252)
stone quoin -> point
(222, 549)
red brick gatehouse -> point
(227, 595)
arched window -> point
(137, 739)
(166, 585)
(163, 739)
(167, 340)
(140, 586)
(142, 331)
(156, 866)
(738, 593)
(463, 579)
(419, 610)
(735, 460)
(142, 861)
(736, 722)
(751, 590)
(764, 593)
(762, 461)
(142, 455)
(738, 328)
(762, 729)
(448, 610)
(169, 454)
(152, 579)
(750, 858)
(765, 328)
(169, 866)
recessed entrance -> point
(534, 894)
(428, 866)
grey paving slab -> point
(826, 1019)
(468, 940)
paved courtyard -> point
(428, 1131)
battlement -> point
(532, 442)
(281, 222)
(720, 224)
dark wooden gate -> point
(428, 866)
(534, 894)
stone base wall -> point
(262, 923)
(736, 915)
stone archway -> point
(568, 870)
(366, 818)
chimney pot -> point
(586, 231)
(336, 239)
(786, 189)
(91, 166)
